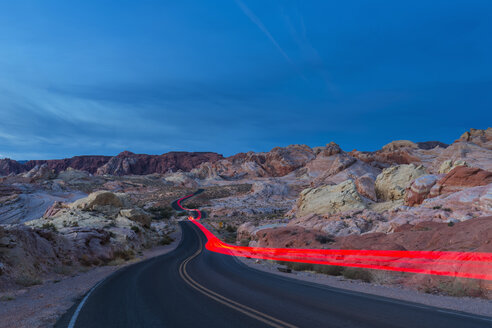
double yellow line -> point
(260, 316)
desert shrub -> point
(63, 270)
(297, 266)
(450, 223)
(160, 213)
(447, 209)
(322, 239)
(230, 239)
(230, 228)
(244, 242)
(88, 261)
(190, 205)
(135, 229)
(331, 270)
(5, 298)
(126, 255)
(27, 280)
(357, 274)
(438, 207)
(49, 226)
(460, 288)
(166, 240)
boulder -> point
(366, 186)
(101, 201)
(137, 215)
(392, 182)
(181, 179)
(329, 199)
(419, 189)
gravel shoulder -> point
(41, 306)
(464, 304)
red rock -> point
(460, 177)
(479, 137)
(275, 163)
(473, 235)
(295, 237)
(419, 189)
(128, 163)
(366, 186)
(9, 166)
(399, 156)
(83, 163)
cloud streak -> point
(263, 28)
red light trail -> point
(474, 265)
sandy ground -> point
(463, 304)
(41, 306)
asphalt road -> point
(193, 287)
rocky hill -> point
(125, 163)
(128, 163)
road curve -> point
(193, 287)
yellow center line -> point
(274, 322)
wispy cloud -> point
(263, 28)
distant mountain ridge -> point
(125, 163)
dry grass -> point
(27, 280)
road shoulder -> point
(468, 305)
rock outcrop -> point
(459, 178)
(366, 186)
(482, 138)
(9, 166)
(83, 163)
(128, 163)
(448, 165)
(420, 189)
(137, 215)
(102, 201)
(329, 199)
(278, 162)
(392, 182)
(40, 172)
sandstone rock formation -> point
(420, 189)
(366, 186)
(330, 199)
(392, 182)
(9, 166)
(483, 138)
(448, 165)
(125, 163)
(459, 178)
(103, 201)
(83, 163)
(128, 163)
(276, 163)
(39, 172)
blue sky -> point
(100, 77)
